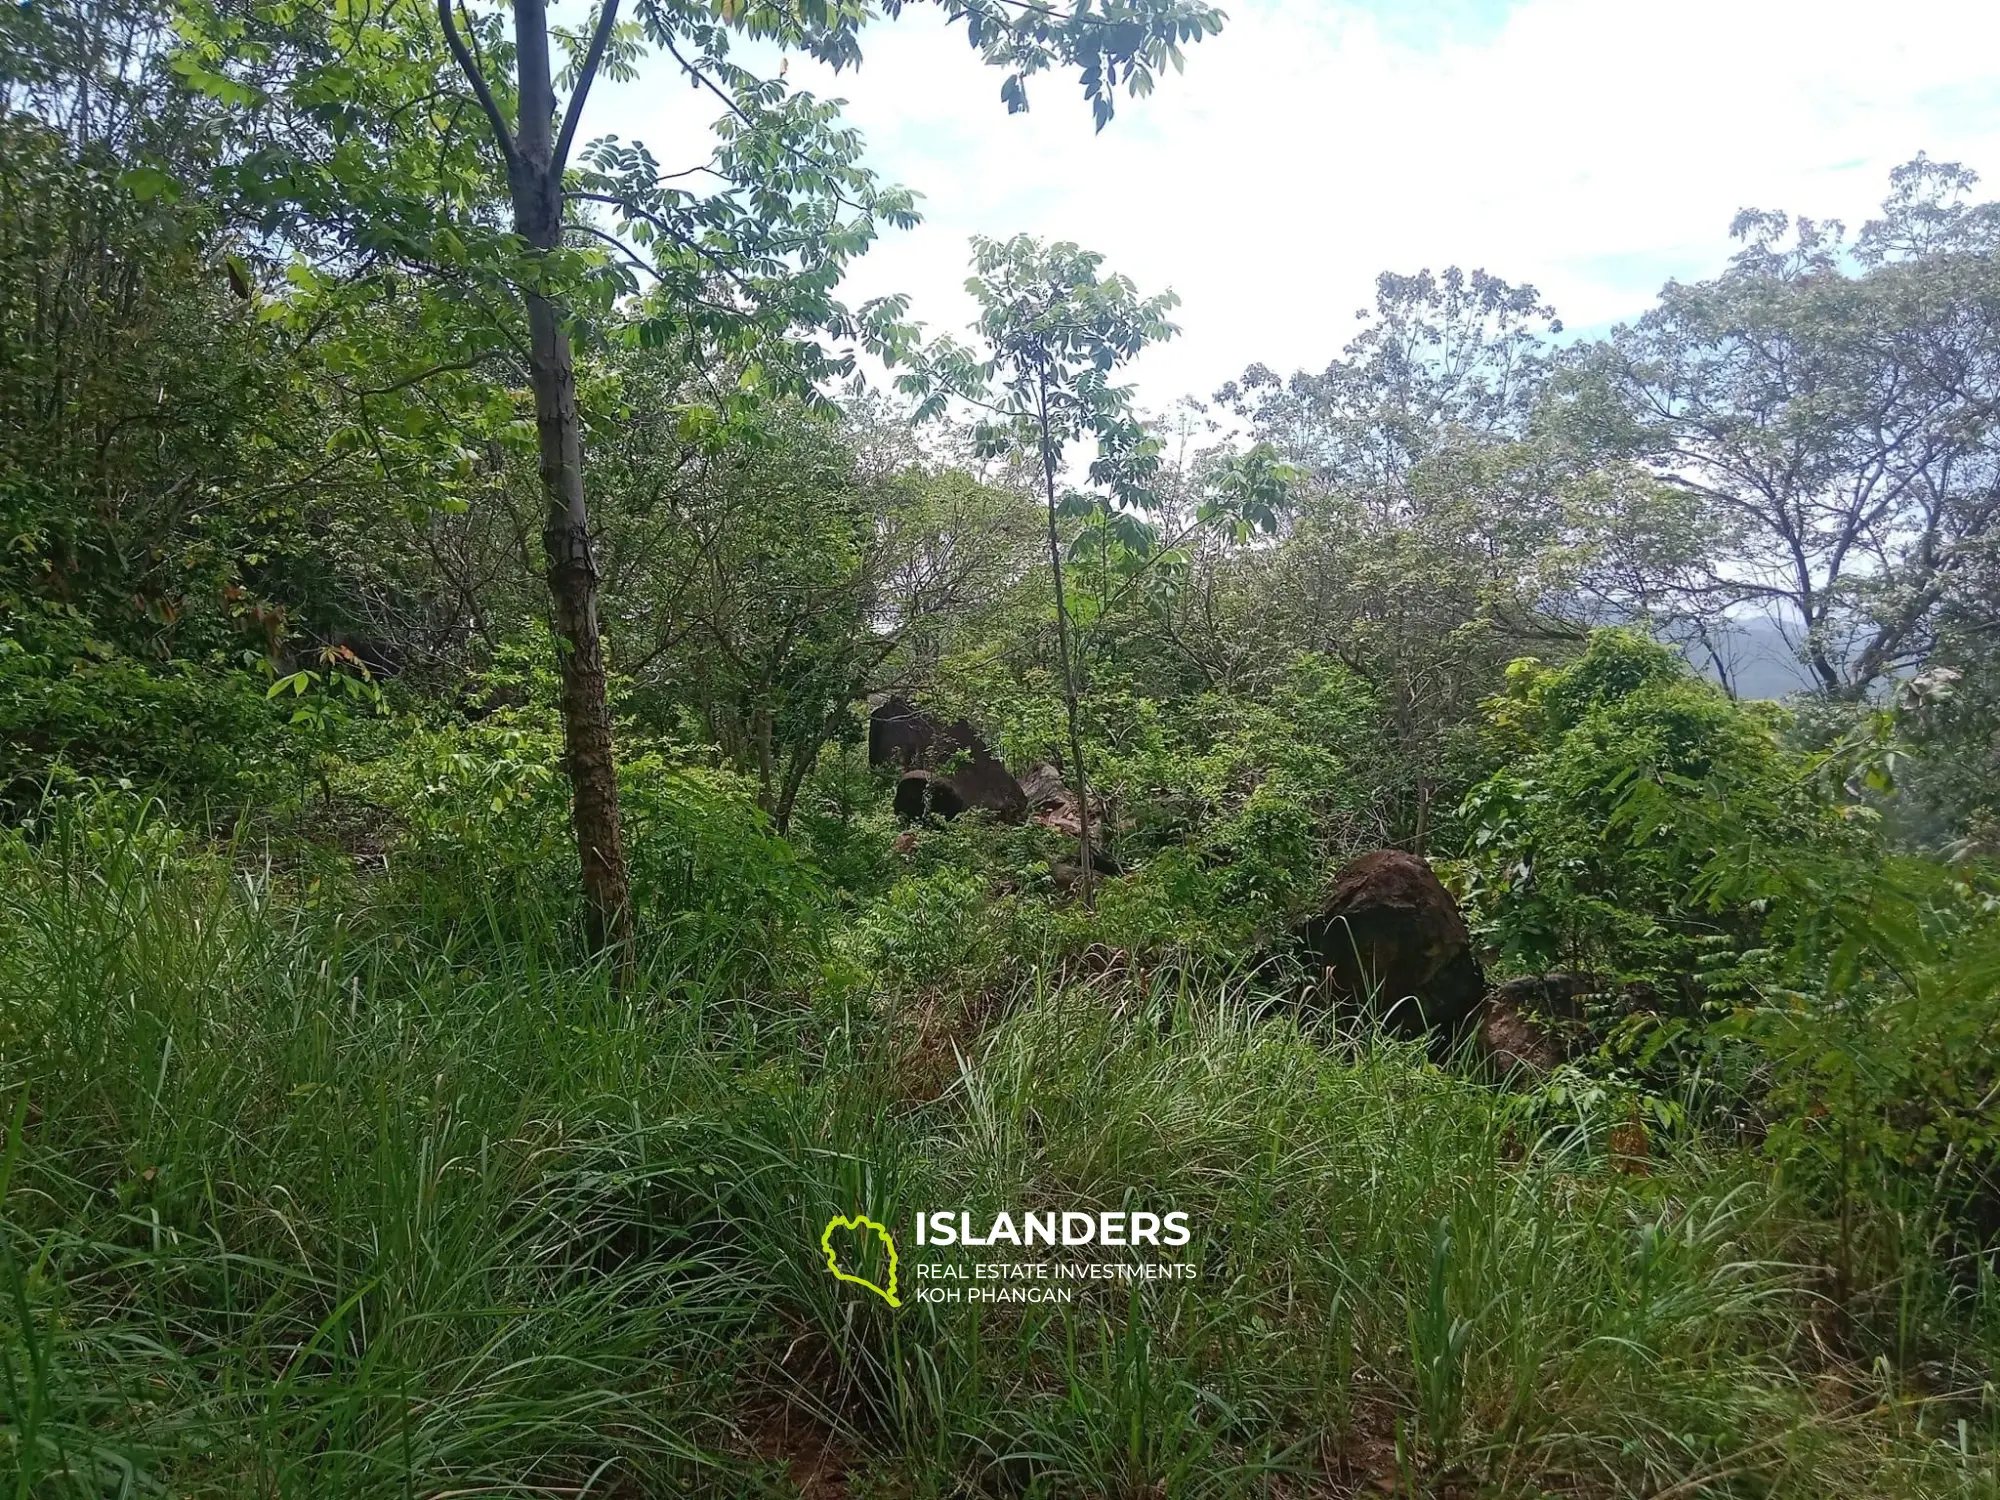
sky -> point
(1596, 148)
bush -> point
(73, 708)
(1273, 794)
(486, 843)
(1876, 1026)
(926, 930)
(1625, 777)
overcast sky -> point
(1593, 147)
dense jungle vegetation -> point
(456, 951)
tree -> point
(124, 352)
(1436, 531)
(536, 151)
(1120, 43)
(1833, 413)
(1442, 357)
(763, 578)
(189, 485)
(738, 280)
(1054, 331)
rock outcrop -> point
(1044, 788)
(1391, 941)
(1532, 1024)
(899, 733)
(978, 777)
(960, 771)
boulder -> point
(920, 795)
(1530, 1025)
(976, 774)
(1043, 787)
(1514, 1042)
(900, 733)
(1390, 939)
(1068, 874)
(952, 756)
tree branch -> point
(606, 20)
(421, 375)
(473, 76)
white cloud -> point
(1593, 147)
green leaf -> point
(148, 183)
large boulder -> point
(1391, 940)
(976, 774)
(962, 772)
(1044, 788)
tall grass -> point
(316, 1197)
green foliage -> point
(1876, 1022)
(926, 930)
(778, 577)
(485, 847)
(1054, 330)
(1948, 780)
(1267, 795)
(423, 1220)
(75, 708)
(1625, 779)
(1614, 666)
(1841, 997)
(333, 1168)
(844, 827)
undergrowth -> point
(308, 1195)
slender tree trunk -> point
(536, 183)
(760, 738)
(1070, 705)
(798, 766)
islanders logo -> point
(860, 1226)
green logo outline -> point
(859, 1222)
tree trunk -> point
(798, 766)
(535, 178)
(761, 726)
(1070, 705)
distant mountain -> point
(1760, 660)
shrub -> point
(1272, 793)
(926, 930)
(486, 841)
(1626, 777)
(75, 708)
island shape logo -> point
(860, 1224)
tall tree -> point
(536, 151)
(1117, 43)
(737, 280)
(763, 578)
(1432, 539)
(1054, 330)
(1833, 410)
(1441, 357)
